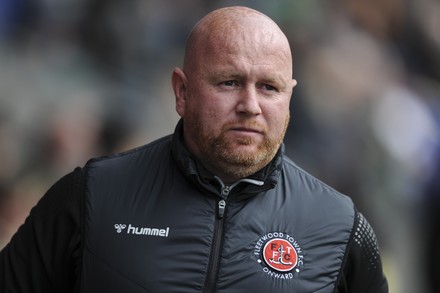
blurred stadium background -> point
(85, 78)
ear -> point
(294, 83)
(179, 82)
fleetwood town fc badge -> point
(279, 254)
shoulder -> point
(62, 195)
(141, 156)
(312, 189)
(31, 259)
(362, 269)
(128, 172)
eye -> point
(230, 83)
(270, 88)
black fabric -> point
(71, 243)
(362, 270)
(44, 255)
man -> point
(215, 207)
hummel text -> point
(148, 231)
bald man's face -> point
(235, 102)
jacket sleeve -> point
(362, 270)
(44, 254)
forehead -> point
(231, 66)
(241, 39)
(245, 58)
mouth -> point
(247, 130)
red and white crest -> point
(280, 255)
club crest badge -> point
(279, 254)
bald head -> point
(232, 29)
(234, 91)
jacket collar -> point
(262, 180)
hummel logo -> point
(143, 230)
(120, 227)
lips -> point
(247, 129)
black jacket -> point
(153, 220)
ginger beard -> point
(233, 156)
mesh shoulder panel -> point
(364, 237)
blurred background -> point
(85, 78)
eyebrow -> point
(241, 76)
(226, 75)
(280, 83)
(223, 75)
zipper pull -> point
(225, 191)
(221, 208)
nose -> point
(248, 103)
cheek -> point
(213, 108)
(277, 122)
(276, 116)
(208, 115)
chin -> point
(245, 150)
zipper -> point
(217, 243)
(221, 208)
(222, 203)
(214, 261)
